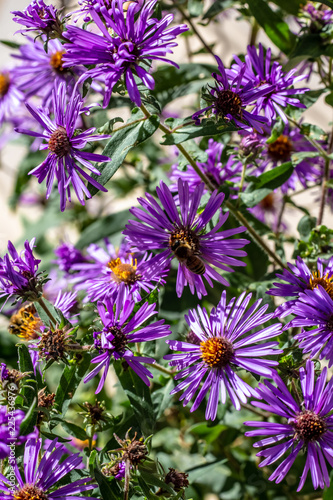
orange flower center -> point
(280, 149)
(4, 84)
(30, 492)
(123, 272)
(216, 352)
(309, 426)
(56, 60)
(323, 281)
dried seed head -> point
(178, 479)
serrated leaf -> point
(121, 142)
(70, 379)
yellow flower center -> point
(323, 281)
(123, 272)
(216, 352)
(56, 60)
(4, 84)
(280, 149)
(25, 324)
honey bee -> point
(184, 253)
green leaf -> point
(273, 24)
(217, 7)
(9, 43)
(290, 6)
(162, 398)
(29, 392)
(121, 142)
(328, 2)
(74, 430)
(329, 99)
(109, 487)
(261, 186)
(139, 396)
(154, 480)
(28, 423)
(70, 379)
(207, 432)
(195, 7)
(42, 314)
(206, 127)
(305, 226)
(102, 228)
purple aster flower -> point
(225, 345)
(18, 273)
(111, 268)
(314, 313)
(186, 236)
(42, 476)
(213, 168)
(41, 71)
(127, 40)
(299, 279)
(9, 434)
(307, 426)
(68, 255)
(10, 96)
(39, 17)
(64, 143)
(259, 71)
(121, 329)
(287, 144)
(229, 98)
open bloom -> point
(314, 313)
(41, 477)
(38, 17)
(128, 39)
(185, 235)
(120, 330)
(259, 71)
(40, 71)
(109, 268)
(64, 143)
(307, 426)
(18, 273)
(229, 98)
(225, 345)
(299, 279)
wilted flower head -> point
(128, 40)
(229, 98)
(18, 273)
(225, 344)
(307, 426)
(64, 143)
(185, 235)
(259, 72)
(121, 329)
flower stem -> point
(210, 186)
(161, 368)
(194, 29)
(260, 413)
(44, 306)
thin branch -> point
(44, 306)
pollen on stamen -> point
(56, 60)
(30, 492)
(216, 352)
(309, 426)
(123, 272)
(325, 281)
